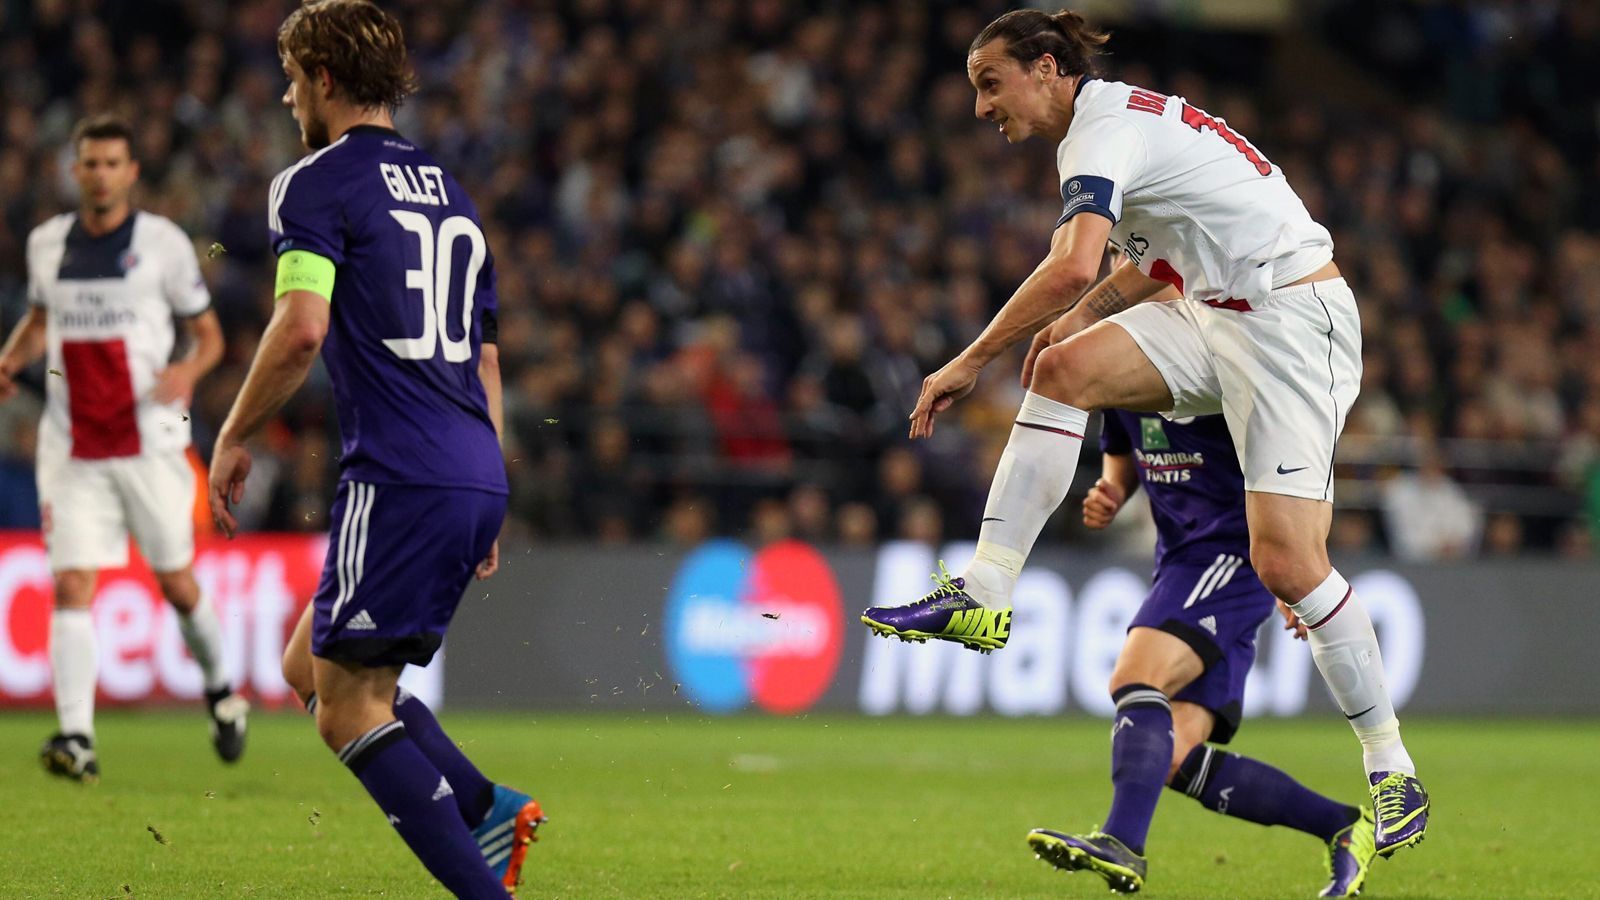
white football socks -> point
(72, 669)
(1031, 480)
(1345, 649)
(202, 633)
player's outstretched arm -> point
(26, 344)
(1058, 281)
(1118, 480)
(288, 348)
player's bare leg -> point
(202, 634)
(70, 751)
(1098, 368)
(1288, 547)
(504, 820)
(1158, 659)
(297, 661)
(355, 716)
(1191, 727)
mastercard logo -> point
(743, 627)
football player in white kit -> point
(104, 286)
(1266, 333)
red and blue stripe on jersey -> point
(100, 401)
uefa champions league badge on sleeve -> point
(764, 628)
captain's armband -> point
(302, 270)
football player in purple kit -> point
(382, 265)
(1193, 641)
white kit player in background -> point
(1266, 333)
(104, 287)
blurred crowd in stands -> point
(732, 236)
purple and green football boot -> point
(1402, 807)
(1350, 855)
(948, 613)
(1096, 852)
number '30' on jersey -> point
(414, 284)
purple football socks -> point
(1141, 754)
(1256, 792)
(419, 803)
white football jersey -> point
(110, 302)
(1191, 202)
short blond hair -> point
(360, 45)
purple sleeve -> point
(304, 212)
(1114, 438)
(488, 302)
(488, 298)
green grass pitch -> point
(684, 806)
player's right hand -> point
(940, 391)
(8, 386)
(230, 466)
(174, 384)
(1291, 622)
(1102, 504)
(491, 563)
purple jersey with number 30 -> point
(414, 282)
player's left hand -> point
(1291, 622)
(940, 391)
(174, 384)
(1102, 503)
(491, 563)
(230, 466)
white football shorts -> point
(90, 506)
(1283, 373)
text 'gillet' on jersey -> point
(415, 184)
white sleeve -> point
(181, 281)
(35, 288)
(1101, 158)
